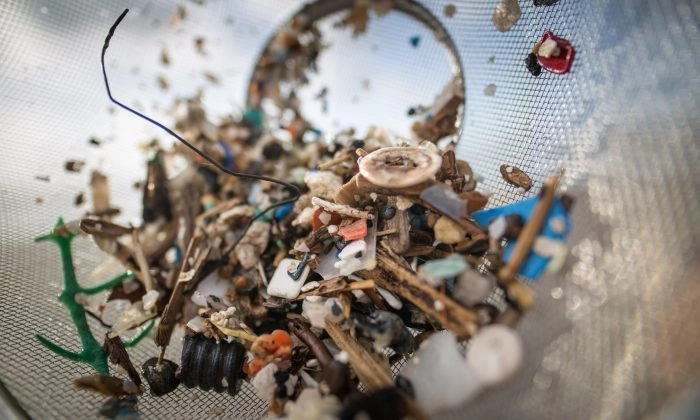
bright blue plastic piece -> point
(534, 263)
(283, 211)
(228, 155)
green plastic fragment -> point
(140, 336)
(444, 268)
(92, 352)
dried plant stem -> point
(397, 278)
(518, 292)
(373, 374)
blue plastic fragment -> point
(228, 155)
(534, 263)
(283, 211)
(417, 217)
(415, 40)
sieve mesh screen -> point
(613, 335)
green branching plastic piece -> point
(92, 352)
(140, 336)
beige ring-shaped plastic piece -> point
(399, 167)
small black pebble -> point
(411, 111)
(281, 377)
(281, 391)
(161, 380)
(544, 2)
(532, 65)
(388, 212)
(405, 385)
(336, 310)
(94, 142)
(356, 144)
(273, 151)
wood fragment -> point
(154, 251)
(99, 184)
(529, 233)
(104, 228)
(238, 333)
(518, 292)
(199, 250)
(373, 374)
(337, 285)
(399, 242)
(142, 262)
(114, 347)
(336, 161)
(516, 176)
(399, 279)
(306, 336)
(341, 209)
(469, 225)
(345, 300)
(109, 386)
(376, 298)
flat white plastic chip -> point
(282, 284)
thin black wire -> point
(293, 188)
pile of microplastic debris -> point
(387, 254)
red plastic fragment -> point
(562, 63)
(316, 222)
(356, 230)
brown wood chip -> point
(394, 276)
(373, 374)
(516, 176)
(114, 347)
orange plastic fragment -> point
(282, 337)
(254, 366)
(356, 230)
(277, 344)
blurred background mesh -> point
(613, 335)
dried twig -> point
(335, 286)
(142, 262)
(518, 292)
(304, 333)
(336, 161)
(397, 278)
(341, 209)
(114, 347)
(188, 273)
(373, 374)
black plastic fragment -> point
(544, 2)
(210, 365)
(532, 65)
(161, 379)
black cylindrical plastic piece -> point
(210, 365)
